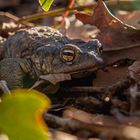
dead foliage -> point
(106, 104)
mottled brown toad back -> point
(43, 52)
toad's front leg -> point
(21, 73)
(12, 72)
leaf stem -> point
(63, 10)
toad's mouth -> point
(86, 69)
(83, 72)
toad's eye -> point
(68, 55)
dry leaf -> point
(120, 41)
(114, 34)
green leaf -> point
(21, 115)
(81, 2)
(46, 4)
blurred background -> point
(126, 10)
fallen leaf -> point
(119, 39)
(109, 77)
(75, 29)
(131, 18)
(114, 34)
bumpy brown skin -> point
(37, 51)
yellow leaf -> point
(21, 115)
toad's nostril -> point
(96, 56)
(98, 46)
(100, 49)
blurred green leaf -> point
(46, 4)
(126, 5)
(81, 2)
(21, 115)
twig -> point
(59, 135)
(5, 31)
(75, 125)
(81, 89)
(71, 4)
(69, 124)
(61, 11)
(8, 15)
(89, 103)
(121, 85)
(14, 18)
(51, 13)
(83, 116)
